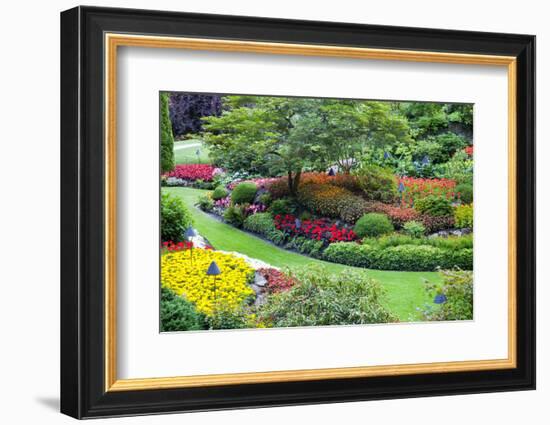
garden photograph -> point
(281, 212)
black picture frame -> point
(82, 206)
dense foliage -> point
(373, 224)
(321, 298)
(187, 110)
(174, 218)
(244, 193)
(178, 314)
(456, 297)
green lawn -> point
(185, 152)
(405, 290)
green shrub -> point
(234, 215)
(244, 193)
(414, 229)
(466, 191)
(276, 236)
(175, 218)
(377, 183)
(349, 253)
(373, 224)
(353, 208)
(281, 207)
(464, 216)
(322, 298)
(261, 223)
(225, 318)
(458, 290)
(205, 203)
(306, 246)
(220, 192)
(178, 314)
(436, 206)
(167, 162)
(305, 215)
(265, 198)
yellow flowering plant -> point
(188, 277)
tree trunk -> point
(294, 181)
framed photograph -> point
(261, 212)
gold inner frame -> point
(113, 41)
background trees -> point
(186, 111)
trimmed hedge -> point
(400, 258)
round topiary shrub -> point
(244, 193)
(175, 218)
(466, 192)
(436, 206)
(220, 192)
(373, 224)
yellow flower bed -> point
(229, 289)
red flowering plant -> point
(277, 281)
(321, 229)
(469, 150)
(177, 246)
(412, 188)
(192, 172)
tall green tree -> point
(167, 161)
(341, 129)
(256, 133)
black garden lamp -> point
(425, 160)
(331, 172)
(189, 234)
(387, 155)
(213, 270)
(401, 189)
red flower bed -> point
(192, 172)
(318, 229)
(417, 187)
(177, 246)
(277, 281)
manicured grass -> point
(405, 290)
(185, 152)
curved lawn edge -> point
(405, 290)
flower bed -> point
(277, 281)
(318, 229)
(188, 277)
(192, 172)
(416, 187)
